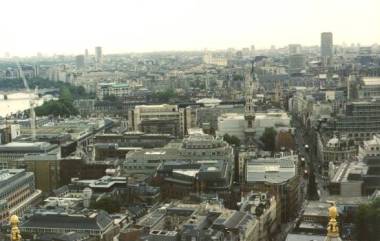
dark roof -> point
(72, 236)
(99, 222)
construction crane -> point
(32, 102)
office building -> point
(97, 224)
(296, 63)
(178, 179)
(79, 62)
(368, 88)
(98, 55)
(294, 49)
(348, 179)
(112, 89)
(11, 153)
(160, 119)
(278, 176)
(180, 221)
(327, 48)
(17, 193)
(359, 121)
(195, 147)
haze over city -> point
(189, 120)
(68, 27)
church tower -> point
(249, 111)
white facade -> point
(231, 124)
(370, 147)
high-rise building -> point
(326, 47)
(295, 49)
(86, 53)
(98, 55)
(296, 63)
(79, 61)
(253, 50)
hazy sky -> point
(70, 26)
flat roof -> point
(371, 80)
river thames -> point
(16, 102)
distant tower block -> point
(98, 55)
(327, 49)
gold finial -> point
(332, 227)
(15, 231)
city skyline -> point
(149, 26)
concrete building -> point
(178, 221)
(210, 114)
(358, 121)
(80, 62)
(348, 179)
(17, 193)
(279, 177)
(369, 88)
(369, 148)
(112, 89)
(208, 58)
(98, 55)
(234, 124)
(160, 119)
(296, 63)
(295, 49)
(264, 207)
(195, 147)
(134, 139)
(46, 168)
(97, 224)
(327, 48)
(336, 150)
(231, 124)
(12, 152)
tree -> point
(232, 140)
(108, 204)
(269, 139)
(65, 95)
(367, 221)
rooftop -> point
(273, 170)
(371, 81)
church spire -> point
(249, 112)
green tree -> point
(231, 139)
(65, 95)
(269, 139)
(107, 204)
(367, 221)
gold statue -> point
(332, 227)
(15, 231)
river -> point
(16, 102)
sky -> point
(119, 26)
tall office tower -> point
(98, 55)
(295, 49)
(86, 53)
(253, 50)
(326, 47)
(79, 61)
